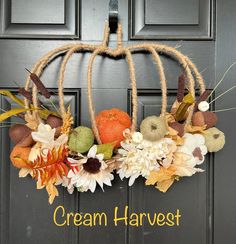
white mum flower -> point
(139, 159)
(89, 171)
(194, 146)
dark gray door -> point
(205, 31)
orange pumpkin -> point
(19, 156)
(111, 124)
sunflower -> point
(89, 170)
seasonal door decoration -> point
(166, 147)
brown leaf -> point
(181, 86)
(39, 84)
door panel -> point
(39, 19)
(179, 19)
(206, 207)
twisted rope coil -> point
(155, 50)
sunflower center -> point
(92, 166)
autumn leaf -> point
(162, 175)
(24, 172)
(152, 178)
(195, 129)
(169, 118)
(173, 134)
(52, 192)
(48, 170)
(165, 185)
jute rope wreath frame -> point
(189, 68)
(172, 153)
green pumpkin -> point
(81, 139)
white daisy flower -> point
(88, 171)
(194, 146)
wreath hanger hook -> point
(113, 16)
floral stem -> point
(226, 72)
(223, 110)
(222, 94)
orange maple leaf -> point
(49, 170)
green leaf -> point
(106, 150)
(13, 97)
(11, 113)
(43, 113)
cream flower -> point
(137, 137)
(183, 165)
(139, 159)
(194, 147)
(45, 141)
(64, 181)
(45, 135)
(88, 171)
(165, 177)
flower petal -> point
(92, 152)
(24, 172)
(100, 156)
(71, 174)
(92, 185)
(132, 179)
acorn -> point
(54, 121)
(178, 127)
(26, 141)
(153, 128)
(58, 132)
(21, 135)
(204, 118)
